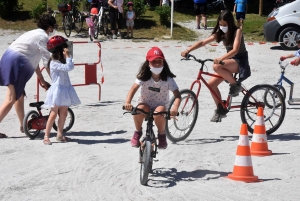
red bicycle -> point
(179, 128)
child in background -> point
(61, 94)
(155, 80)
(240, 9)
(296, 54)
(130, 16)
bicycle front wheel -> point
(259, 96)
(67, 24)
(28, 124)
(278, 102)
(146, 162)
(78, 21)
(70, 119)
(180, 127)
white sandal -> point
(47, 141)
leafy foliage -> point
(7, 7)
(38, 10)
(164, 14)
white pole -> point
(172, 11)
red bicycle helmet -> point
(129, 3)
(94, 11)
(54, 42)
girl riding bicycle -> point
(234, 61)
(155, 79)
(61, 94)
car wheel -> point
(287, 38)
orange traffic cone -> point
(259, 144)
(243, 170)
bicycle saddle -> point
(36, 104)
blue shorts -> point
(240, 15)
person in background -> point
(130, 16)
(200, 7)
(116, 16)
(20, 61)
(296, 54)
(239, 10)
(165, 2)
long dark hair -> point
(145, 74)
(58, 54)
(227, 16)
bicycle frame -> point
(283, 78)
(150, 134)
(227, 104)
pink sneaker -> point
(162, 141)
(135, 140)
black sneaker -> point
(217, 117)
(235, 89)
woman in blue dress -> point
(61, 94)
(20, 61)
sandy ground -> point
(100, 164)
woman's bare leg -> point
(9, 101)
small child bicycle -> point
(262, 95)
(291, 100)
(34, 121)
(148, 148)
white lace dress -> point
(61, 92)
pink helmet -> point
(94, 11)
(130, 3)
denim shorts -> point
(243, 63)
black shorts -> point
(243, 63)
(240, 15)
(200, 8)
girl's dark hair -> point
(227, 16)
(145, 74)
(46, 21)
(58, 54)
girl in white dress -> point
(61, 94)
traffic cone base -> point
(243, 170)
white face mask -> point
(156, 71)
(53, 33)
(224, 28)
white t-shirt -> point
(33, 44)
(156, 93)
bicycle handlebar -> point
(202, 62)
(135, 109)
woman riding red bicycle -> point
(234, 61)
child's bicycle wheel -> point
(70, 119)
(180, 127)
(146, 162)
(268, 97)
(31, 123)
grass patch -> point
(146, 27)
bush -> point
(138, 7)
(38, 10)
(164, 14)
(7, 7)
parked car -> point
(283, 25)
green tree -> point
(7, 7)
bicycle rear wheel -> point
(67, 24)
(180, 127)
(28, 122)
(258, 96)
(70, 119)
(78, 21)
(146, 162)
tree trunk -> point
(260, 7)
